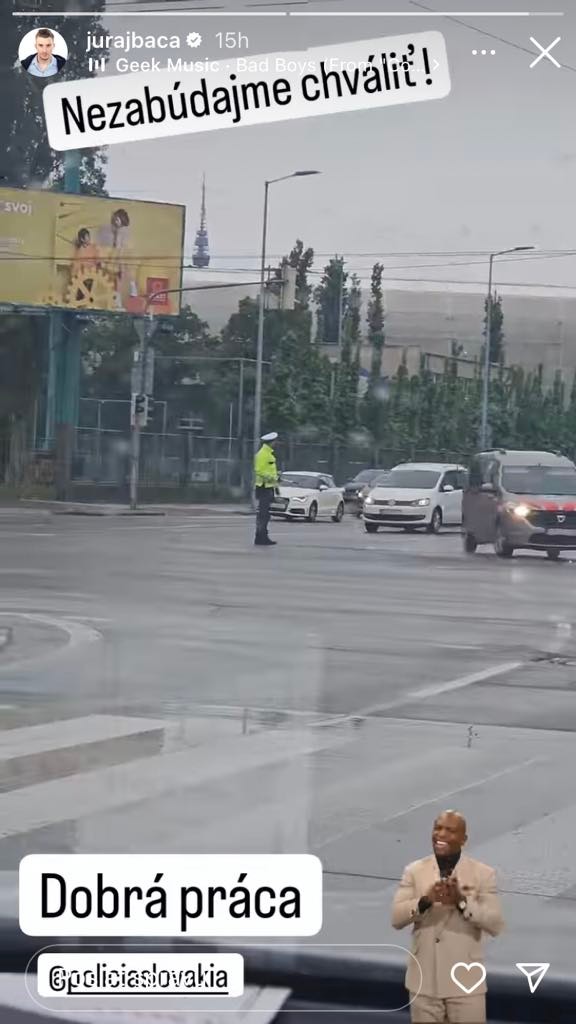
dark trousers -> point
(265, 497)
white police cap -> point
(269, 437)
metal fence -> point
(183, 459)
(172, 460)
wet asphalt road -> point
(330, 694)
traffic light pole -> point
(145, 333)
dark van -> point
(520, 500)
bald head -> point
(448, 834)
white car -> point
(417, 495)
(308, 496)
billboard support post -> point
(64, 366)
(54, 334)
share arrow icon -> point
(534, 974)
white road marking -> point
(459, 647)
(26, 572)
(431, 800)
(11, 534)
(463, 681)
(6, 604)
(88, 618)
(78, 634)
(429, 691)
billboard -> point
(84, 252)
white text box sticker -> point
(340, 78)
(65, 975)
(170, 895)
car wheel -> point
(501, 546)
(371, 527)
(435, 524)
(312, 512)
(339, 514)
(470, 543)
(553, 554)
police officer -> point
(266, 481)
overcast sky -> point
(490, 167)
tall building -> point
(201, 254)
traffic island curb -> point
(102, 512)
(119, 509)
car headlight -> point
(520, 510)
(422, 501)
(297, 498)
(368, 500)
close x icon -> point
(545, 52)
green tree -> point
(376, 335)
(331, 301)
(288, 356)
(497, 352)
(353, 320)
(297, 393)
(27, 160)
(344, 385)
(239, 334)
(182, 375)
(302, 259)
(569, 423)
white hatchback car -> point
(308, 496)
(417, 495)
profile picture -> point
(43, 52)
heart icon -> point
(468, 989)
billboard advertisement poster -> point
(87, 252)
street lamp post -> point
(340, 310)
(260, 342)
(486, 380)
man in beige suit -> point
(450, 900)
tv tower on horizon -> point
(201, 254)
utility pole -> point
(138, 416)
(484, 426)
(340, 310)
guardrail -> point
(346, 986)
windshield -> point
(366, 476)
(539, 480)
(421, 479)
(299, 480)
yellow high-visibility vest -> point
(265, 468)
